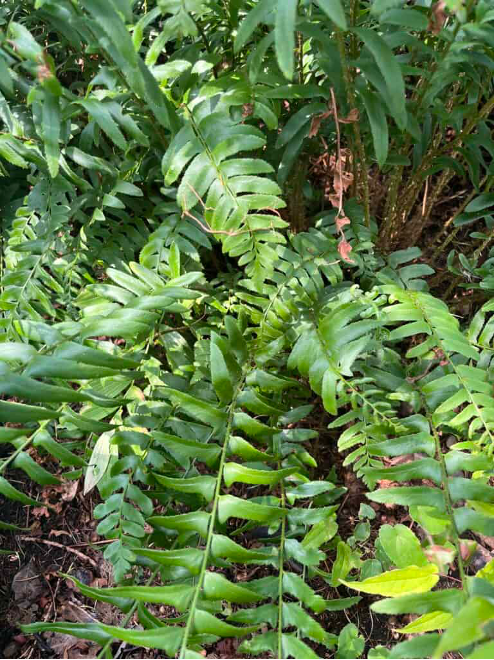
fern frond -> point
(238, 205)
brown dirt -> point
(32, 587)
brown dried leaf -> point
(36, 528)
(69, 490)
(43, 73)
(487, 540)
(59, 532)
(72, 612)
(227, 648)
(27, 586)
(40, 511)
(438, 17)
(467, 549)
(316, 123)
(343, 182)
(344, 249)
(99, 582)
(247, 110)
(341, 221)
(386, 483)
(335, 200)
(84, 654)
(62, 644)
(346, 156)
(351, 117)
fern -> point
(171, 462)
(166, 336)
(235, 198)
(457, 380)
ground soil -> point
(62, 541)
(34, 586)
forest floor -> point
(61, 541)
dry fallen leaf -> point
(487, 540)
(62, 644)
(74, 613)
(69, 490)
(27, 586)
(40, 511)
(247, 110)
(386, 483)
(99, 582)
(468, 547)
(59, 532)
(43, 73)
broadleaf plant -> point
(211, 282)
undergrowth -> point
(210, 221)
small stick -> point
(218, 231)
(343, 243)
(91, 543)
(424, 203)
(338, 146)
(33, 539)
(223, 232)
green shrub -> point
(177, 296)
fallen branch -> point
(33, 539)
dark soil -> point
(61, 540)
(32, 587)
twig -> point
(414, 379)
(426, 191)
(33, 539)
(217, 231)
(338, 147)
(456, 230)
(343, 246)
(223, 231)
(349, 85)
(91, 543)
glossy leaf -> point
(190, 558)
(197, 521)
(446, 600)
(207, 623)
(233, 507)
(390, 70)
(51, 130)
(284, 35)
(427, 623)
(220, 376)
(216, 587)
(474, 615)
(234, 472)
(402, 581)
(203, 485)
(334, 9)
(402, 546)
